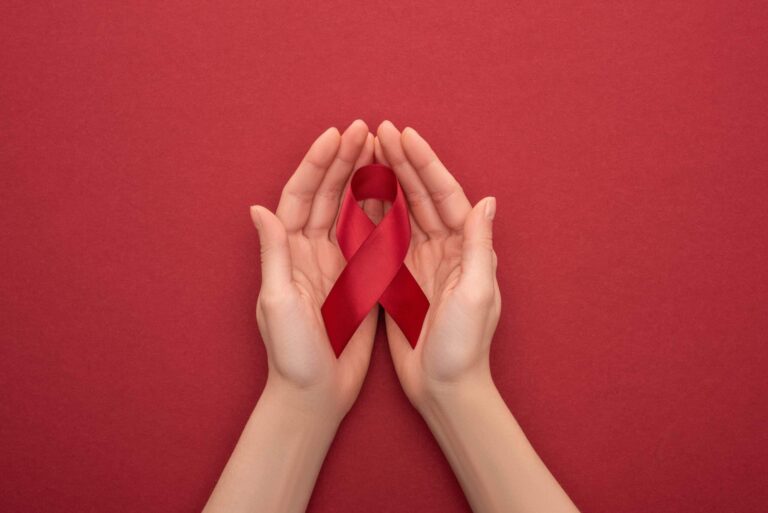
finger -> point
(365, 158)
(378, 152)
(326, 201)
(477, 257)
(366, 155)
(416, 193)
(447, 195)
(417, 234)
(296, 199)
(274, 250)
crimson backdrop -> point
(625, 141)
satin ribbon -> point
(375, 272)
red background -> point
(627, 146)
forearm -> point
(493, 460)
(276, 461)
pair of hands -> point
(446, 376)
(451, 257)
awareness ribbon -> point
(375, 272)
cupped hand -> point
(452, 258)
(300, 261)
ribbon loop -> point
(375, 272)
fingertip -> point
(330, 132)
(409, 132)
(256, 216)
(264, 217)
(324, 148)
(386, 126)
(479, 223)
(418, 150)
(357, 124)
(356, 133)
(331, 137)
(391, 143)
(490, 208)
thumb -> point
(477, 267)
(275, 253)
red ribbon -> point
(375, 271)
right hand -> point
(452, 258)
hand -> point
(452, 258)
(300, 262)
(276, 461)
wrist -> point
(301, 408)
(441, 398)
(278, 455)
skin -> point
(446, 377)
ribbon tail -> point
(344, 310)
(406, 303)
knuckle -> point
(442, 196)
(330, 193)
(289, 191)
(418, 198)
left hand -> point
(301, 260)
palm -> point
(436, 265)
(304, 357)
(317, 262)
(316, 265)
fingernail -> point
(386, 123)
(332, 129)
(256, 217)
(490, 208)
(357, 122)
(409, 129)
